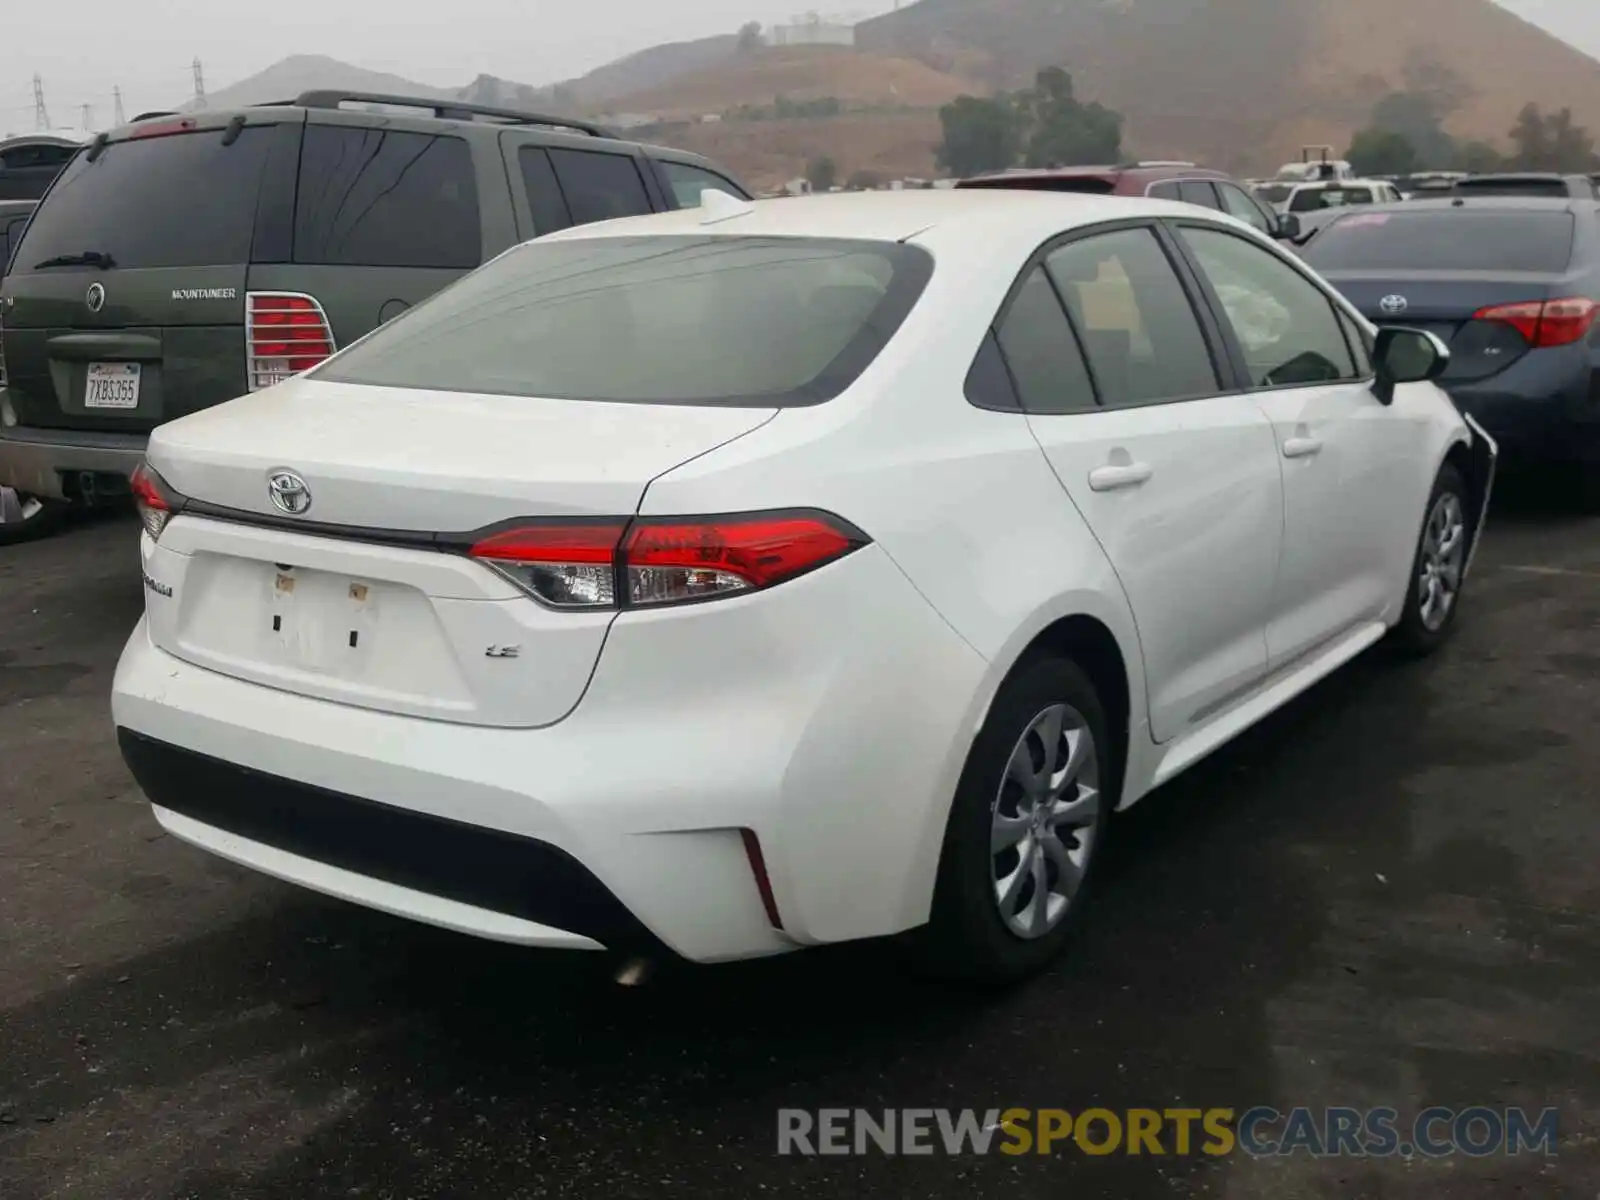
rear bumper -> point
(1545, 407)
(829, 717)
(38, 461)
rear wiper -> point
(88, 258)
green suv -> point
(185, 259)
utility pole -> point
(88, 117)
(41, 114)
(116, 100)
(199, 85)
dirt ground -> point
(1386, 895)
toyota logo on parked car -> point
(288, 492)
(1393, 304)
(95, 298)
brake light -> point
(154, 498)
(614, 563)
(284, 333)
(1546, 323)
(150, 129)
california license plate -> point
(112, 385)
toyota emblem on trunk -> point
(1393, 304)
(95, 298)
(288, 492)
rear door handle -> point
(1302, 447)
(1106, 479)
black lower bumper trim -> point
(502, 872)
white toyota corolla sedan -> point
(763, 575)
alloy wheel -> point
(1444, 553)
(1043, 821)
(18, 508)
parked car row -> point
(185, 259)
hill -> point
(304, 72)
(1245, 83)
(758, 78)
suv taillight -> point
(284, 333)
(1546, 323)
(616, 563)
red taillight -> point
(150, 129)
(653, 561)
(154, 499)
(1546, 323)
(285, 333)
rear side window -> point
(1198, 191)
(664, 320)
(386, 198)
(1165, 191)
(1043, 355)
(1141, 335)
(184, 200)
(688, 182)
(1556, 188)
(544, 193)
(1445, 240)
(1236, 204)
(599, 186)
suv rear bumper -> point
(39, 461)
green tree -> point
(1550, 141)
(822, 173)
(1478, 157)
(979, 135)
(1382, 152)
(749, 37)
(1062, 131)
(1419, 118)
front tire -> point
(1025, 828)
(1438, 568)
(23, 517)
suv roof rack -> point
(448, 110)
(156, 112)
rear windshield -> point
(759, 322)
(184, 200)
(1445, 240)
(1313, 199)
(1514, 187)
(1099, 185)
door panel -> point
(1186, 500)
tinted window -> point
(1142, 337)
(988, 381)
(1274, 193)
(1164, 191)
(544, 193)
(675, 320)
(1198, 191)
(180, 201)
(688, 182)
(1514, 187)
(1316, 199)
(383, 198)
(1286, 326)
(599, 186)
(1445, 240)
(20, 157)
(1041, 351)
(1237, 204)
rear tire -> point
(24, 517)
(1438, 568)
(1025, 829)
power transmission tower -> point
(41, 114)
(116, 100)
(199, 85)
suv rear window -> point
(665, 320)
(1556, 188)
(1444, 240)
(183, 200)
(386, 198)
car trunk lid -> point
(1445, 303)
(366, 597)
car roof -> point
(1001, 216)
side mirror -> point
(1406, 356)
(1287, 228)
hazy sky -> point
(83, 48)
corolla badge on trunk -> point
(1393, 304)
(288, 492)
(95, 297)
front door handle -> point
(1122, 475)
(1302, 447)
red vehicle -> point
(1164, 180)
